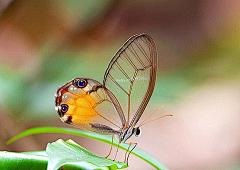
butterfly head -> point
(128, 132)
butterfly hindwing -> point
(87, 107)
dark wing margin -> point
(131, 77)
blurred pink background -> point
(44, 43)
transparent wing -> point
(88, 107)
(131, 76)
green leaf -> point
(61, 153)
(104, 138)
(11, 160)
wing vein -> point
(136, 55)
(115, 82)
(143, 51)
(129, 60)
(108, 120)
(121, 69)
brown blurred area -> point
(199, 66)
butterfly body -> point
(115, 106)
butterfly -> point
(115, 106)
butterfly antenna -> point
(155, 119)
(151, 115)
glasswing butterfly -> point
(115, 106)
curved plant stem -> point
(103, 138)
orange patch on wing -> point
(83, 115)
(81, 108)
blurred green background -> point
(44, 44)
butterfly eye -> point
(64, 108)
(81, 83)
(137, 131)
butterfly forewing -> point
(131, 76)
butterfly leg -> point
(111, 148)
(127, 155)
(117, 150)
